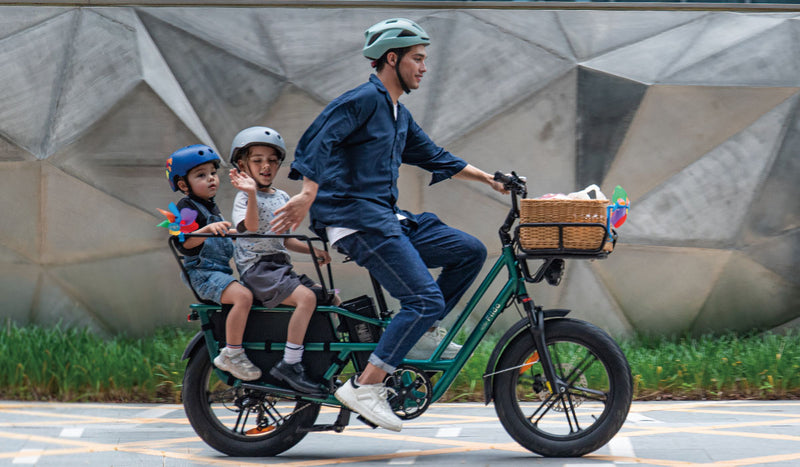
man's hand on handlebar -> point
(512, 182)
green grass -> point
(76, 365)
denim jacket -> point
(354, 149)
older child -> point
(193, 171)
(264, 263)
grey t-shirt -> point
(249, 250)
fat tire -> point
(209, 428)
(605, 426)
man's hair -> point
(381, 62)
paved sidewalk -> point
(726, 433)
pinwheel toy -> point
(179, 222)
(619, 208)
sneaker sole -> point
(370, 419)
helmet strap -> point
(400, 54)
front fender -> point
(195, 344)
(519, 327)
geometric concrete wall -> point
(696, 114)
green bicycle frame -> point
(514, 286)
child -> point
(264, 263)
(193, 171)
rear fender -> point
(194, 345)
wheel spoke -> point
(547, 404)
(570, 411)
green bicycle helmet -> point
(394, 33)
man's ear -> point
(391, 61)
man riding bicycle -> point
(349, 161)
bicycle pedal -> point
(367, 422)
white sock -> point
(293, 353)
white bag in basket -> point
(583, 194)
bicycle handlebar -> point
(513, 183)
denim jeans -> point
(401, 263)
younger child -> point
(193, 171)
(264, 263)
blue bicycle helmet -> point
(185, 159)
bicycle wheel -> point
(581, 419)
(237, 421)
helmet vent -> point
(373, 39)
(406, 33)
(267, 133)
(200, 152)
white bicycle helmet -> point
(256, 135)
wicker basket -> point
(565, 211)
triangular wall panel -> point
(606, 106)
(129, 165)
(103, 67)
(522, 68)
(661, 289)
(83, 223)
(31, 63)
(544, 30)
(770, 58)
(14, 19)
(533, 138)
(227, 92)
(245, 36)
(780, 188)
(593, 33)
(676, 125)
(21, 224)
(748, 297)
(705, 203)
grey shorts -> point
(209, 284)
(272, 280)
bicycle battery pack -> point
(359, 331)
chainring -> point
(410, 391)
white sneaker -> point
(369, 401)
(429, 341)
(237, 364)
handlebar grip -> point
(501, 177)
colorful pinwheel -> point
(179, 222)
(619, 208)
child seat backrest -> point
(174, 243)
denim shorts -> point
(209, 284)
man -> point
(349, 161)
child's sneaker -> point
(294, 374)
(369, 401)
(236, 363)
(424, 348)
